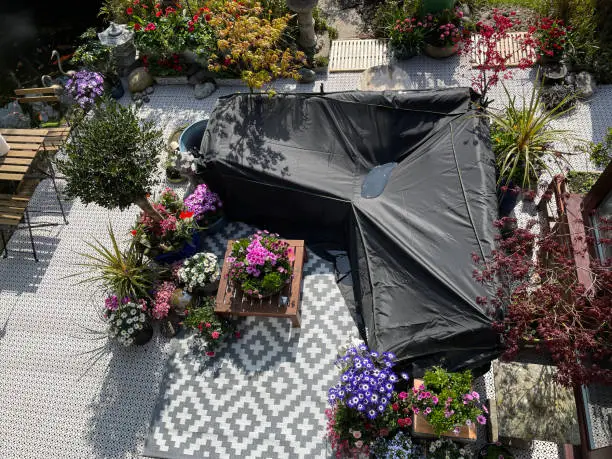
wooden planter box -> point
(286, 304)
(422, 428)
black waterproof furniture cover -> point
(404, 181)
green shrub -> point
(112, 158)
(601, 152)
(581, 182)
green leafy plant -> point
(212, 329)
(112, 158)
(95, 56)
(522, 137)
(321, 61)
(321, 25)
(601, 152)
(447, 400)
(581, 182)
(126, 273)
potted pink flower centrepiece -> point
(260, 265)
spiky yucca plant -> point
(126, 273)
(522, 137)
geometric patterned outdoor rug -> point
(265, 393)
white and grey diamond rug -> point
(264, 394)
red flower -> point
(185, 214)
(227, 61)
(395, 407)
(134, 232)
(158, 14)
(196, 17)
(136, 2)
(150, 27)
(210, 354)
(237, 334)
(130, 11)
(215, 334)
(157, 6)
(208, 325)
(200, 327)
(208, 17)
(137, 27)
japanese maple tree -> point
(540, 301)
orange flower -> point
(185, 214)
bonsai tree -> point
(112, 158)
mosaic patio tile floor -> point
(58, 401)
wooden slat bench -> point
(231, 302)
(31, 95)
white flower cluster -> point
(199, 270)
(126, 322)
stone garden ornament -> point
(304, 8)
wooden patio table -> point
(286, 304)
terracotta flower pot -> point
(441, 52)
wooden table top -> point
(25, 145)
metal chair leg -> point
(57, 195)
(4, 249)
(27, 219)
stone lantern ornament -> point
(121, 40)
(303, 8)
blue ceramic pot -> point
(189, 249)
(191, 137)
(507, 200)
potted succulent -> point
(207, 208)
(260, 265)
(444, 32)
(128, 321)
(200, 273)
(211, 328)
(171, 238)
